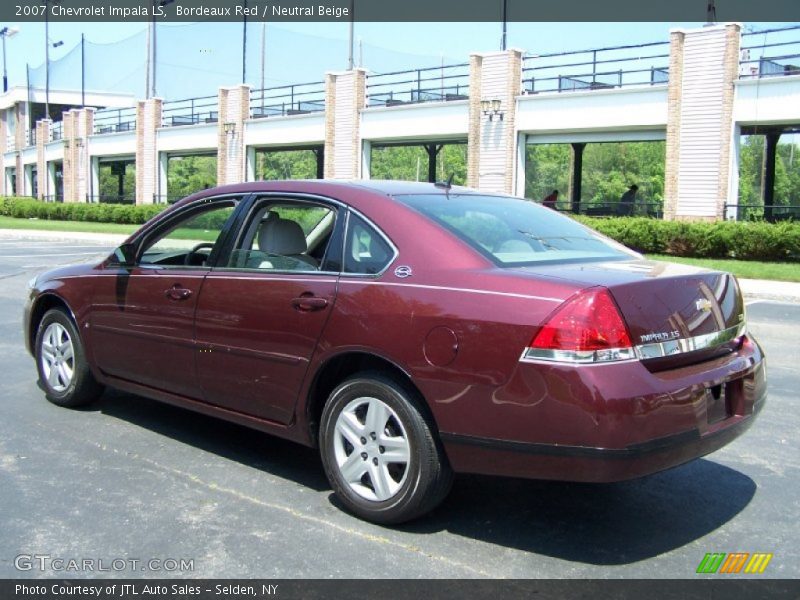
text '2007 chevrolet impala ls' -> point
(409, 331)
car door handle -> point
(178, 292)
(309, 303)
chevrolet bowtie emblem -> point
(703, 305)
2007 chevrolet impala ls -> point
(409, 331)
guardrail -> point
(168, 198)
(191, 111)
(777, 54)
(113, 199)
(654, 210)
(431, 84)
(597, 68)
(54, 198)
(284, 100)
(57, 131)
(114, 120)
(767, 212)
(11, 142)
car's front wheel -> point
(380, 453)
(63, 371)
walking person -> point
(550, 201)
(627, 201)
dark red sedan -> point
(409, 331)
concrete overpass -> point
(700, 92)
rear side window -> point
(516, 232)
(366, 252)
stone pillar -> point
(474, 128)
(345, 96)
(492, 157)
(234, 110)
(20, 126)
(42, 138)
(4, 142)
(20, 141)
(148, 120)
(78, 125)
(699, 178)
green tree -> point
(410, 163)
(108, 176)
(286, 164)
(608, 170)
(547, 168)
(189, 174)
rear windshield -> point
(516, 232)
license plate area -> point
(724, 400)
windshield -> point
(516, 232)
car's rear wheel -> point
(380, 453)
(63, 371)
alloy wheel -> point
(372, 450)
(58, 357)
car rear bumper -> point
(593, 432)
(584, 463)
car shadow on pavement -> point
(600, 524)
(234, 442)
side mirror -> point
(125, 255)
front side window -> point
(516, 232)
(285, 236)
(190, 240)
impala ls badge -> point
(403, 271)
(703, 305)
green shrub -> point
(27, 208)
(725, 239)
(742, 240)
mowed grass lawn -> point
(80, 226)
(745, 269)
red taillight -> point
(589, 322)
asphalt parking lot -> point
(136, 480)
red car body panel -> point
(456, 327)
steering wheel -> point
(187, 261)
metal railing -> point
(57, 131)
(777, 54)
(11, 142)
(431, 84)
(285, 100)
(597, 68)
(113, 199)
(191, 111)
(167, 198)
(653, 210)
(765, 212)
(114, 120)
(55, 197)
(30, 138)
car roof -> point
(328, 186)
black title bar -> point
(185, 11)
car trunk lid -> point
(676, 314)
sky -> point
(325, 45)
(454, 40)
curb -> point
(37, 235)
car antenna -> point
(446, 184)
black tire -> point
(81, 388)
(417, 486)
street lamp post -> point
(47, 4)
(6, 32)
